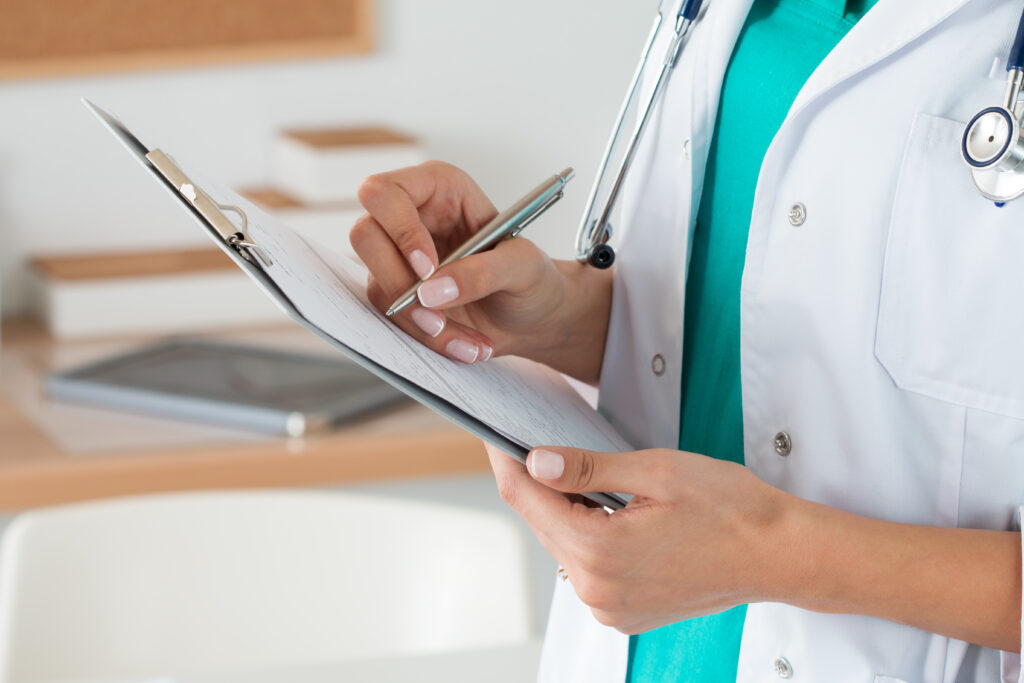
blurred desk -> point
(510, 664)
(129, 454)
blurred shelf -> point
(36, 469)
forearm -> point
(962, 583)
(574, 344)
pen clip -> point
(535, 214)
(210, 209)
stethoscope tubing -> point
(592, 234)
(1015, 60)
(585, 235)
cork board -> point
(51, 37)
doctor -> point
(809, 284)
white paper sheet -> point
(527, 402)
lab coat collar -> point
(887, 27)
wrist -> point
(793, 563)
(589, 302)
(817, 548)
(574, 336)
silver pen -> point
(505, 225)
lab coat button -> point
(783, 444)
(797, 214)
(783, 668)
(658, 364)
(686, 147)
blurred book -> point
(327, 165)
(144, 292)
(327, 223)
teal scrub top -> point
(780, 45)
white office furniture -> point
(218, 582)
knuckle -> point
(437, 165)
(474, 278)
(628, 628)
(595, 593)
(604, 618)
(375, 294)
(360, 231)
(372, 188)
(583, 473)
(589, 560)
(520, 250)
(508, 489)
(663, 466)
(595, 554)
(378, 297)
(585, 588)
(407, 238)
(610, 618)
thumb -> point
(574, 470)
(515, 266)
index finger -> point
(393, 199)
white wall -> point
(511, 91)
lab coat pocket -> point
(951, 313)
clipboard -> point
(236, 242)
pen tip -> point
(390, 312)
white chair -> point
(199, 582)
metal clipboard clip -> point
(211, 210)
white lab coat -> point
(885, 334)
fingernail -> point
(438, 292)
(421, 264)
(463, 350)
(546, 465)
(428, 321)
(487, 352)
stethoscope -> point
(595, 230)
(992, 144)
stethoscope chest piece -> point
(993, 148)
(992, 144)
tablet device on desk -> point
(230, 385)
